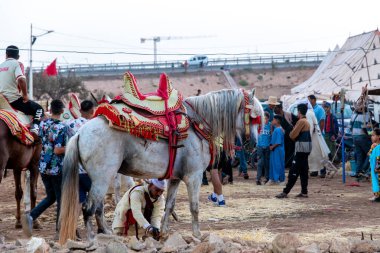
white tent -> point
(351, 67)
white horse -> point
(118, 183)
(104, 152)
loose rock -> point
(191, 239)
(364, 247)
(324, 247)
(37, 245)
(116, 247)
(205, 237)
(340, 245)
(151, 243)
(104, 239)
(21, 242)
(215, 239)
(175, 241)
(286, 243)
(312, 248)
(136, 244)
(203, 247)
(74, 245)
(168, 249)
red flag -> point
(51, 70)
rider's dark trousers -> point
(29, 108)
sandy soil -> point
(252, 212)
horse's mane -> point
(218, 112)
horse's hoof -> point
(18, 224)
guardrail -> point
(256, 62)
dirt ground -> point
(252, 213)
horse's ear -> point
(253, 92)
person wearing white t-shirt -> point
(13, 87)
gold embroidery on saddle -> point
(122, 117)
(152, 102)
(17, 129)
(16, 121)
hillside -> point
(267, 82)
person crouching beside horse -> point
(53, 133)
(141, 208)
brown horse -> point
(16, 156)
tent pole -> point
(342, 95)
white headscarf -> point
(160, 184)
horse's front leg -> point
(193, 185)
(100, 221)
(18, 195)
(169, 206)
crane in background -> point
(157, 39)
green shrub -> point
(243, 83)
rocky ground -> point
(209, 243)
(332, 219)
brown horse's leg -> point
(4, 156)
(18, 195)
(34, 172)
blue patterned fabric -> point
(53, 134)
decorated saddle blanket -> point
(141, 124)
(21, 117)
(17, 128)
(164, 100)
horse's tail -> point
(70, 197)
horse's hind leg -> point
(169, 206)
(193, 185)
(87, 222)
(18, 195)
(100, 221)
(116, 188)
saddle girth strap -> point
(173, 139)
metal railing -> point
(264, 61)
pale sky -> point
(227, 27)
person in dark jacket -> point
(287, 123)
(301, 135)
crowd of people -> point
(284, 141)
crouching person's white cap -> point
(160, 184)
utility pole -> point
(33, 39)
